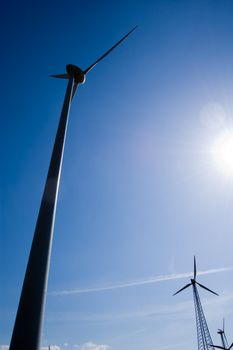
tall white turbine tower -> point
(28, 323)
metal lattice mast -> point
(203, 335)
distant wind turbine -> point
(223, 337)
(29, 318)
(203, 335)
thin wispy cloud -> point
(174, 310)
(135, 283)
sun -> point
(222, 152)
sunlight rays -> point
(222, 152)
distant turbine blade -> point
(201, 285)
(187, 285)
(230, 346)
(217, 346)
(223, 324)
(195, 268)
(61, 76)
(107, 52)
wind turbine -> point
(222, 334)
(78, 74)
(224, 341)
(29, 318)
(203, 335)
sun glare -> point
(223, 153)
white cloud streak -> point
(135, 283)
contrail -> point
(136, 283)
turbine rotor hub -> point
(77, 73)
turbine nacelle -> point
(77, 73)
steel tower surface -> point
(203, 335)
(27, 328)
(29, 318)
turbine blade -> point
(195, 268)
(107, 52)
(61, 76)
(230, 346)
(217, 346)
(201, 285)
(223, 324)
(187, 285)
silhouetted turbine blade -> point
(230, 346)
(201, 285)
(187, 285)
(107, 52)
(217, 346)
(61, 76)
(195, 268)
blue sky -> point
(140, 191)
